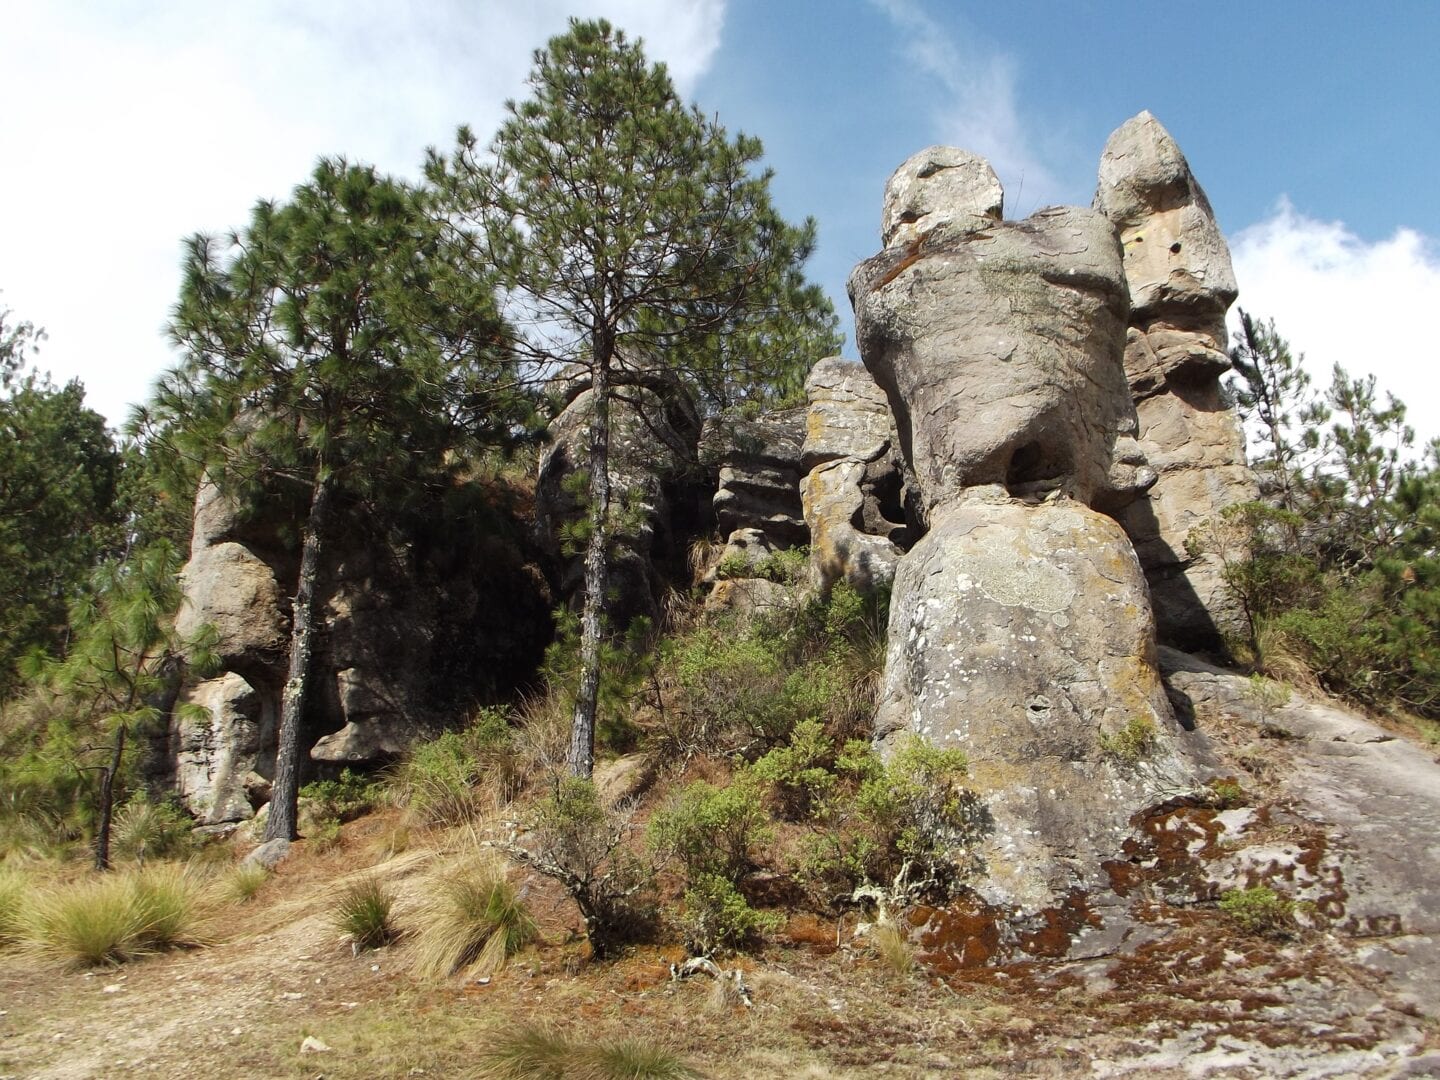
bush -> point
(908, 824)
(324, 835)
(580, 843)
(800, 773)
(713, 831)
(717, 917)
(1134, 742)
(438, 782)
(473, 919)
(1261, 911)
(363, 911)
(344, 798)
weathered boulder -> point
(418, 620)
(854, 488)
(652, 461)
(1022, 635)
(1178, 271)
(939, 189)
(757, 463)
(999, 350)
(221, 753)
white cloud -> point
(132, 124)
(978, 111)
(1339, 299)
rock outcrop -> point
(854, 486)
(1177, 267)
(654, 432)
(418, 620)
(1020, 628)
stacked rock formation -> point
(854, 483)
(1178, 270)
(1020, 626)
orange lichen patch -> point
(804, 928)
(966, 934)
(1060, 927)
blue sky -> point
(1311, 125)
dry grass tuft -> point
(536, 1051)
(473, 920)
(893, 945)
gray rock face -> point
(413, 627)
(1022, 635)
(1000, 351)
(853, 491)
(938, 190)
(1178, 271)
(220, 757)
(758, 463)
(652, 449)
(1020, 625)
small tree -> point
(634, 240)
(59, 471)
(344, 345)
(120, 675)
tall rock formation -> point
(1020, 628)
(1177, 267)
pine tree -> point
(634, 240)
(343, 344)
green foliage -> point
(363, 911)
(243, 882)
(800, 773)
(907, 824)
(59, 477)
(1227, 794)
(1261, 911)
(717, 917)
(324, 835)
(713, 831)
(473, 919)
(1341, 573)
(1136, 740)
(344, 798)
(577, 841)
(627, 663)
(69, 765)
(145, 829)
(438, 782)
(14, 894)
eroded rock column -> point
(1020, 626)
(1177, 267)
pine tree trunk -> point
(285, 790)
(107, 801)
(582, 728)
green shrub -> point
(1226, 793)
(344, 798)
(908, 824)
(1260, 910)
(800, 773)
(580, 843)
(717, 917)
(363, 910)
(1137, 740)
(473, 918)
(438, 782)
(788, 567)
(324, 835)
(713, 831)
